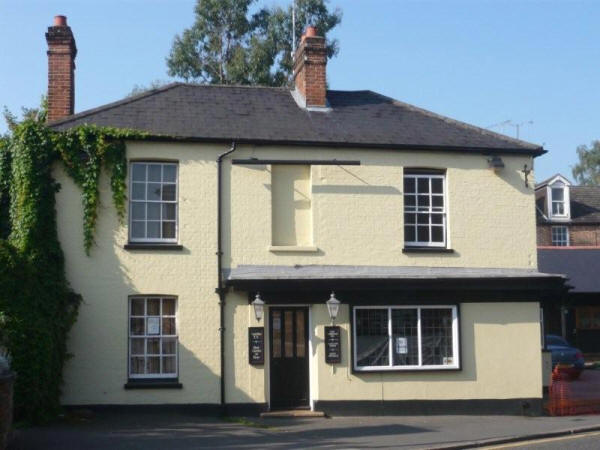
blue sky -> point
(483, 62)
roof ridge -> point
(243, 86)
(457, 122)
(115, 104)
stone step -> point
(288, 413)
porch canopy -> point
(311, 283)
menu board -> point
(256, 345)
(333, 349)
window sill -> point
(293, 248)
(157, 383)
(151, 246)
(427, 250)
(411, 370)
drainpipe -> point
(220, 289)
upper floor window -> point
(558, 201)
(153, 202)
(560, 236)
(424, 210)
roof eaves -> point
(340, 144)
(520, 143)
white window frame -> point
(429, 211)
(559, 243)
(147, 336)
(455, 336)
(566, 201)
(161, 202)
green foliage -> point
(140, 88)
(37, 306)
(85, 151)
(587, 170)
(5, 167)
(227, 45)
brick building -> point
(340, 260)
(568, 237)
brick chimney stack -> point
(310, 62)
(61, 68)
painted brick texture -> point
(357, 220)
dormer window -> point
(558, 199)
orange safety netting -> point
(571, 394)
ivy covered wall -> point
(37, 306)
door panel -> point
(288, 356)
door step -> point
(288, 413)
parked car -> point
(570, 358)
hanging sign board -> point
(256, 345)
(333, 348)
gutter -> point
(486, 151)
(220, 290)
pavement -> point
(150, 430)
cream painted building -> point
(250, 207)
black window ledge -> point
(427, 250)
(153, 384)
(151, 246)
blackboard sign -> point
(256, 345)
(333, 349)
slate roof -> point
(271, 115)
(339, 272)
(580, 265)
(585, 204)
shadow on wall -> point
(99, 340)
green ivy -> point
(37, 306)
(5, 168)
(85, 151)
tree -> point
(587, 170)
(227, 45)
(141, 88)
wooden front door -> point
(288, 356)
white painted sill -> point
(293, 248)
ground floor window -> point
(405, 337)
(152, 337)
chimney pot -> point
(61, 69)
(311, 31)
(60, 21)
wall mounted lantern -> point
(259, 307)
(496, 163)
(333, 306)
